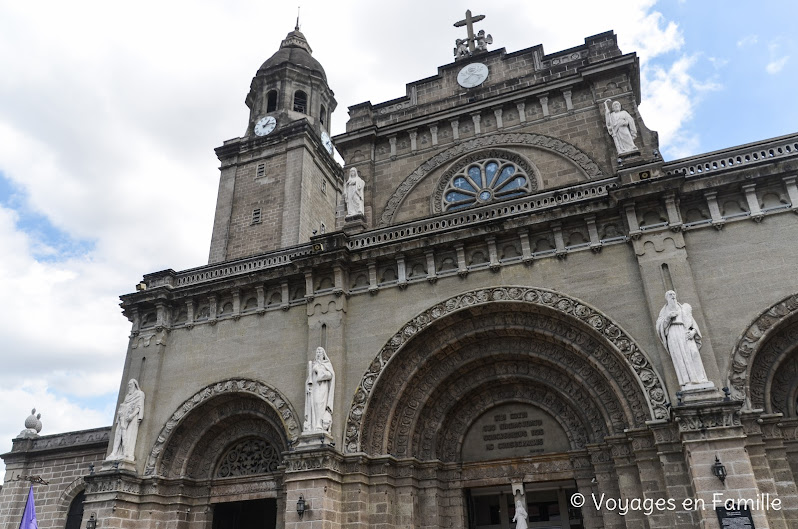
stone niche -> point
(513, 430)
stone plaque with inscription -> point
(735, 519)
(513, 430)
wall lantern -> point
(92, 522)
(300, 506)
(719, 470)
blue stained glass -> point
(476, 175)
(490, 172)
(514, 184)
(454, 196)
(506, 173)
(462, 183)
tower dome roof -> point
(294, 50)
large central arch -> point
(501, 345)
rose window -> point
(485, 181)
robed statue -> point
(680, 335)
(353, 193)
(521, 517)
(319, 394)
(128, 417)
(621, 127)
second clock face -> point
(472, 75)
(325, 140)
(265, 125)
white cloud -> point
(777, 65)
(748, 40)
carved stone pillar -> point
(765, 446)
(521, 111)
(628, 479)
(544, 105)
(606, 484)
(586, 483)
(497, 112)
(709, 430)
(433, 131)
(675, 479)
(316, 476)
(455, 129)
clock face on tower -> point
(472, 75)
(265, 125)
(326, 141)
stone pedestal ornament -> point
(33, 425)
(353, 194)
(621, 127)
(128, 418)
(319, 394)
(680, 335)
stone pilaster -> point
(315, 475)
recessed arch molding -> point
(565, 326)
(282, 412)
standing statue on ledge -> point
(128, 417)
(680, 335)
(353, 194)
(621, 127)
(319, 394)
(461, 48)
(521, 517)
(483, 40)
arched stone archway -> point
(764, 363)
(534, 340)
(215, 417)
(578, 157)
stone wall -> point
(61, 460)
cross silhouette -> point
(468, 21)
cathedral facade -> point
(505, 311)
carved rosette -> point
(647, 377)
(750, 342)
(574, 154)
(252, 387)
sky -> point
(110, 111)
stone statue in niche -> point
(354, 194)
(521, 515)
(319, 394)
(128, 417)
(621, 127)
(679, 334)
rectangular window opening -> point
(256, 216)
(260, 172)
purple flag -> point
(29, 516)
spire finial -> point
(297, 19)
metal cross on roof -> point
(468, 21)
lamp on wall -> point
(92, 522)
(300, 506)
(719, 470)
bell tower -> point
(279, 182)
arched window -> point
(300, 102)
(75, 515)
(322, 114)
(485, 181)
(271, 101)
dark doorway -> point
(75, 514)
(253, 514)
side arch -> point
(260, 403)
(568, 151)
(763, 370)
(560, 325)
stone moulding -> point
(636, 360)
(749, 344)
(572, 153)
(253, 387)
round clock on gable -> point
(472, 75)
(265, 125)
(326, 141)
